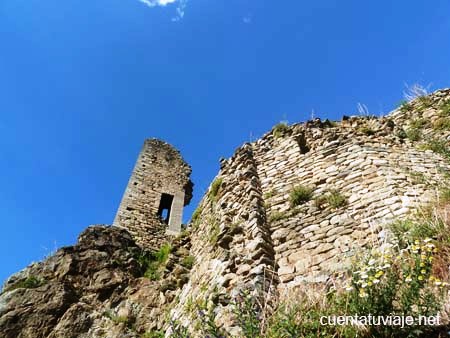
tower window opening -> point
(165, 206)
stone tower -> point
(158, 189)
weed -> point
(32, 282)
(277, 216)
(196, 214)
(299, 195)
(188, 262)
(280, 130)
(215, 188)
(414, 134)
(152, 263)
(214, 232)
(418, 123)
(405, 106)
(366, 130)
(153, 334)
(445, 109)
(442, 123)
(335, 199)
(438, 146)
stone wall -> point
(160, 169)
(247, 235)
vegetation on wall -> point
(300, 194)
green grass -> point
(366, 130)
(153, 334)
(32, 282)
(188, 262)
(299, 195)
(214, 232)
(414, 134)
(418, 123)
(280, 130)
(438, 146)
(215, 188)
(196, 214)
(278, 216)
(424, 102)
(445, 195)
(153, 263)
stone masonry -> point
(158, 189)
(247, 235)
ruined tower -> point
(158, 189)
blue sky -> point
(83, 83)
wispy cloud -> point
(247, 19)
(181, 6)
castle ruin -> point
(158, 189)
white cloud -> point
(181, 6)
(153, 3)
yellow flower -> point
(408, 279)
(422, 264)
(369, 283)
(423, 271)
(420, 277)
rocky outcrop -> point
(94, 289)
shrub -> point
(280, 130)
(151, 263)
(300, 194)
(335, 199)
(413, 134)
(386, 285)
(215, 188)
(32, 282)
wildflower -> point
(363, 285)
(369, 283)
(349, 288)
(423, 271)
(422, 264)
(426, 240)
(437, 283)
(364, 276)
(372, 262)
(420, 277)
(379, 273)
(408, 279)
(363, 294)
(375, 281)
